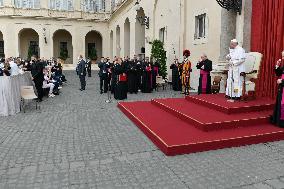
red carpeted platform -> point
(179, 126)
(219, 103)
(210, 119)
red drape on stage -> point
(268, 39)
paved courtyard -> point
(77, 140)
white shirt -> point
(14, 68)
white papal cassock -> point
(236, 67)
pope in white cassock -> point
(236, 59)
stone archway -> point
(28, 43)
(2, 54)
(93, 40)
(62, 45)
(140, 35)
(127, 38)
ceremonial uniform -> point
(185, 78)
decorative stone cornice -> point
(54, 14)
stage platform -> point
(203, 122)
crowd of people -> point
(46, 74)
(121, 76)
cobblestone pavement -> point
(77, 140)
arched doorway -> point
(62, 46)
(93, 45)
(118, 48)
(28, 43)
(127, 38)
(140, 35)
(2, 55)
(111, 45)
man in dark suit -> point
(89, 67)
(81, 71)
(103, 74)
(37, 76)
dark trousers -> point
(89, 72)
(83, 81)
(38, 85)
(104, 83)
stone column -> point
(247, 24)
(122, 54)
(78, 43)
(132, 36)
(228, 32)
(11, 42)
(114, 42)
(240, 26)
(45, 46)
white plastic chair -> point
(28, 94)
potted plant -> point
(63, 54)
(93, 55)
(159, 54)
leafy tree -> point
(63, 54)
(158, 52)
(93, 54)
(30, 52)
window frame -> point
(31, 2)
(62, 4)
(203, 39)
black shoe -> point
(81, 89)
(101, 92)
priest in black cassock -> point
(147, 78)
(139, 68)
(120, 87)
(132, 74)
(205, 67)
(278, 115)
(155, 73)
(176, 80)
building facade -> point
(117, 28)
(201, 27)
(48, 28)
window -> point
(93, 5)
(31, 4)
(34, 47)
(66, 5)
(2, 49)
(162, 34)
(1, 2)
(200, 26)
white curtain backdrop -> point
(10, 92)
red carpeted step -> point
(218, 102)
(209, 119)
(174, 136)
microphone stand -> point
(232, 86)
(109, 93)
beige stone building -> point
(117, 28)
